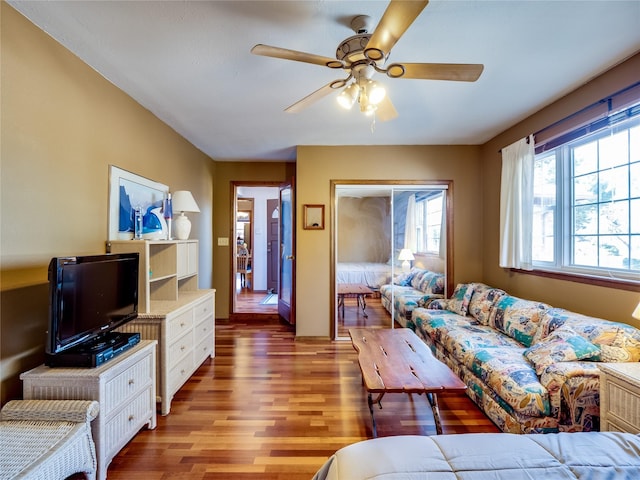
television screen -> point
(89, 296)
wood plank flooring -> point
(273, 407)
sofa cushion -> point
(512, 377)
(517, 318)
(459, 301)
(404, 279)
(428, 282)
(618, 342)
(552, 318)
(457, 334)
(482, 301)
(563, 345)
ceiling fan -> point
(365, 53)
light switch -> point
(223, 241)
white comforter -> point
(489, 456)
(373, 275)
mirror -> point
(380, 232)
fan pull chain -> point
(373, 123)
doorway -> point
(253, 292)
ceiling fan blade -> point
(286, 54)
(311, 98)
(386, 111)
(461, 72)
(398, 16)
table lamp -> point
(636, 312)
(183, 202)
(406, 255)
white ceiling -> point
(188, 62)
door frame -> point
(234, 186)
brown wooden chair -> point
(244, 269)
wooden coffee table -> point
(397, 361)
(357, 290)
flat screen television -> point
(88, 297)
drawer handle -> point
(182, 347)
(182, 372)
(131, 417)
(131, 381)
(182, 324)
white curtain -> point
(516, 205)
(443, 227)
(410, 237)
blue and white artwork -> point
(128, 192)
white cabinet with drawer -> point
(124, 387)
(620, 397)
(185, 331)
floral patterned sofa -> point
(410, 290)
(532, 368)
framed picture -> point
(128, 191)
(313, 217)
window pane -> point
(585, 158)
(634, 176)
(434, 223)
(585, 189)
(613, 150)
(544, 208)
(614, 251)
(585, 220)
(635, 253)
(614, 184)
(585, 250)
(614, 218)
(634, 144)
(635, 216)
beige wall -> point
(364, 229)
(318, 166)
(62, 126)
(610, 303)
(246, 173)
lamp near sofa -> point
(406, 255)
(183, 202)
(636, 312)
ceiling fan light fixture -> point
(368, 109)
(376, 92)
(348, 96)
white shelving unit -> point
(172, 310)
(167, 268)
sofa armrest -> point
(77, 411)
(574, 394)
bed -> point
(373, 275)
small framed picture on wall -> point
(313, 217)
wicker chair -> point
(47, 439)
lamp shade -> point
(183, 202)
(406, 254)
(636, 312)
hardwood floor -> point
(273, 407)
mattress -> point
(373, 275)
(489, 456)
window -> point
(429, 223)
(586, 216)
